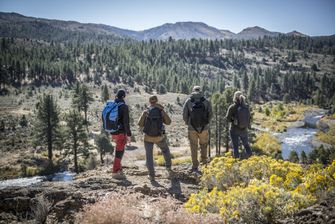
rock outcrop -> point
(69, 198)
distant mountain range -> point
(16, 25)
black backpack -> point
(199, 114)
(153, 125)
(243, 116)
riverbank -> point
(284, 128)
(301, 134)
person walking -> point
(152, 121)
(121, 135)
(197, 113)
(239, 116)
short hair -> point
(121, 93)
(153, 99)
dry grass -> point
(267, 144)
(136, 208)
(177, 161)
(327, 137)
(280, 117)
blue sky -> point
(312, 17)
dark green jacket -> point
(232, 116)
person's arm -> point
(166, 118)
(126, 125)
(141, 120)
(185, 112)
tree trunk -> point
(209, 143)
(75, 156)
(219, 139)
(101, 158)
(85, 112)
(49, 139)
(219, 136)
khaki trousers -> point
(197, 139)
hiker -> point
(152, 121)
(197, 113)
(117, 115)
(239, 116)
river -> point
(299, 137)
(27, 181)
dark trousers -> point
(235, 135)
(149, 155)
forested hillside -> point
(290, 67)
(56, 76)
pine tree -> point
(161, 89)
(252, 90)
(104, 146)
(286, 98)
(216, 105)
(245, 81)
(76, 134)
(23, 121)
(293, 157)
(47, 122)
(236, 82)
(81, 99)
(303, 157)
(104, 93)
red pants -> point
(120, 141)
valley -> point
(66, 71)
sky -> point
(312, 17)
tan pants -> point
(196, 139)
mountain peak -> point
(254, 29)
(183, 30)
(178, 30)
(297, 34)
(255, 32)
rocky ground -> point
(69, 198)
(322, 212)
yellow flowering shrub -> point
(259, 189)
(258, 200)
(224, 172)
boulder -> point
(323, 126)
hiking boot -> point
(118, 175)
(196, 171)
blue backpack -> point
(110, 117)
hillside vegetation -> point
(56, 76)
